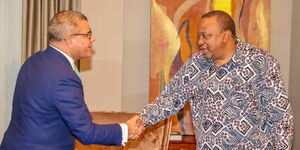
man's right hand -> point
(135, 127)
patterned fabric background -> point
(173, 38)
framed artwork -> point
(174, 36)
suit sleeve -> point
(69, 101)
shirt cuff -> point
(124, 128)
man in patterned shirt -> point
(236, 92)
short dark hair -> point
(224, 20)
(63, 23)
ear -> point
(227, 35)
(69, 42)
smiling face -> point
(211, 40)
(70, 32)
(82, 41)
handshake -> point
(135, 127)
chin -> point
(206, 56)
(88, 56)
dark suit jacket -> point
(49, 109)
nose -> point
(200, 40)
(93, 38)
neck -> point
(227, 53)
(61, 46)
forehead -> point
(210, 23)
(84, 25)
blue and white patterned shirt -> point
(237, 106)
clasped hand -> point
(135, 127)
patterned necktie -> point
(76, 70)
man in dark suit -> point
(49, 111)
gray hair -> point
(63, 23)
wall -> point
(294, 93)
(10, 56)
(281, 12)
(102, 75)
(136, 49)
(116, 77)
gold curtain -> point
(36, 17)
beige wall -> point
(116, 78)
(135, 85)
(281, 12)
(294, 92)
(10, 56)
(102, 75)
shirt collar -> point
(71, 61)
(237, 57)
